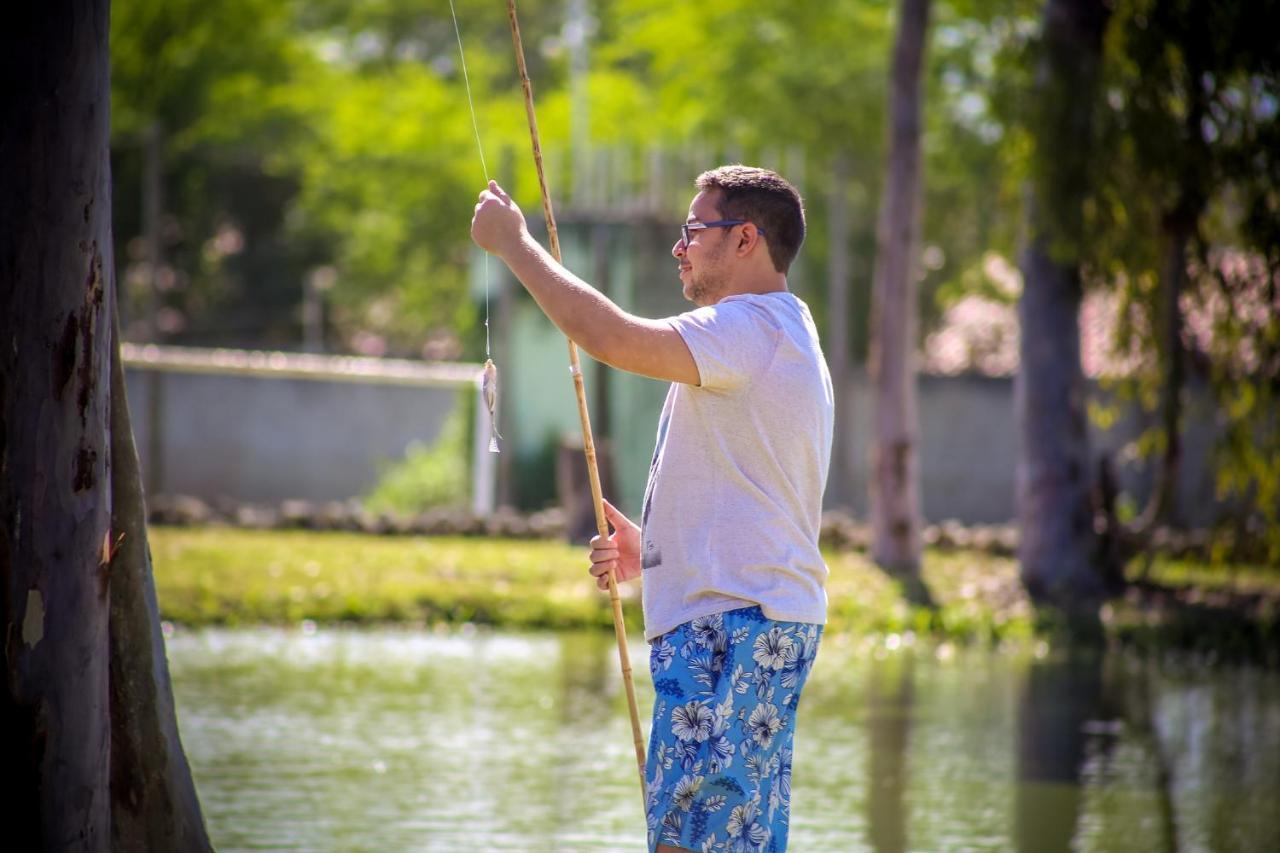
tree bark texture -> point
(895, 463)
(1058, 545)
(153, 797)
(55, 498)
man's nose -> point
(677, 251)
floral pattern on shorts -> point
(718, 776)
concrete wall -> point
(969, 449)
(263, 427)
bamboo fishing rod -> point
(588, 444)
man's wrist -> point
(519, 250)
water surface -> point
(472, 740)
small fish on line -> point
(489, 387)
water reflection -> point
(889, 707)
(409, 741)
(1061, 704)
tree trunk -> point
(1173, 281)
(839, 484)
(1057, 547)
(153, 798)
(895, 476)
(1177, 230)
(93, 760)
(1054, 480)
(55, 498)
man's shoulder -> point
(733, 316)
(772, 310)
(780, 307)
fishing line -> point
(475, 126)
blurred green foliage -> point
(1184, 212)
(427, 477)
(304, 137)
(214, 79)
(336, 137)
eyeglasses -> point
(689, 227)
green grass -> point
(228, 576)
(1232, 577)
(225, 576)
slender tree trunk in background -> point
(1054, 475)
(1178, 229)
(55, 489)
(840, 485)
(153, 797)
(1173, 280)
(1054, 482)
(895, 464)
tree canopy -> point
(336, 137)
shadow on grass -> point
(915, 591)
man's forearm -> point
(594, 322)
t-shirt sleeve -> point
(731, 342)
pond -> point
(475, 740)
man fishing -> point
(733, 582)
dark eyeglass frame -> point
(703, 226)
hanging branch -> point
(575, 369)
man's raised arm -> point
(586, 316)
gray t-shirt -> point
(734, 500)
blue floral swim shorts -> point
(719, 770)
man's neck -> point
(775, 283)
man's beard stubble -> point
(707, 285)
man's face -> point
(704, 261)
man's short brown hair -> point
(764, 198)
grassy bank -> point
(226, 576)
